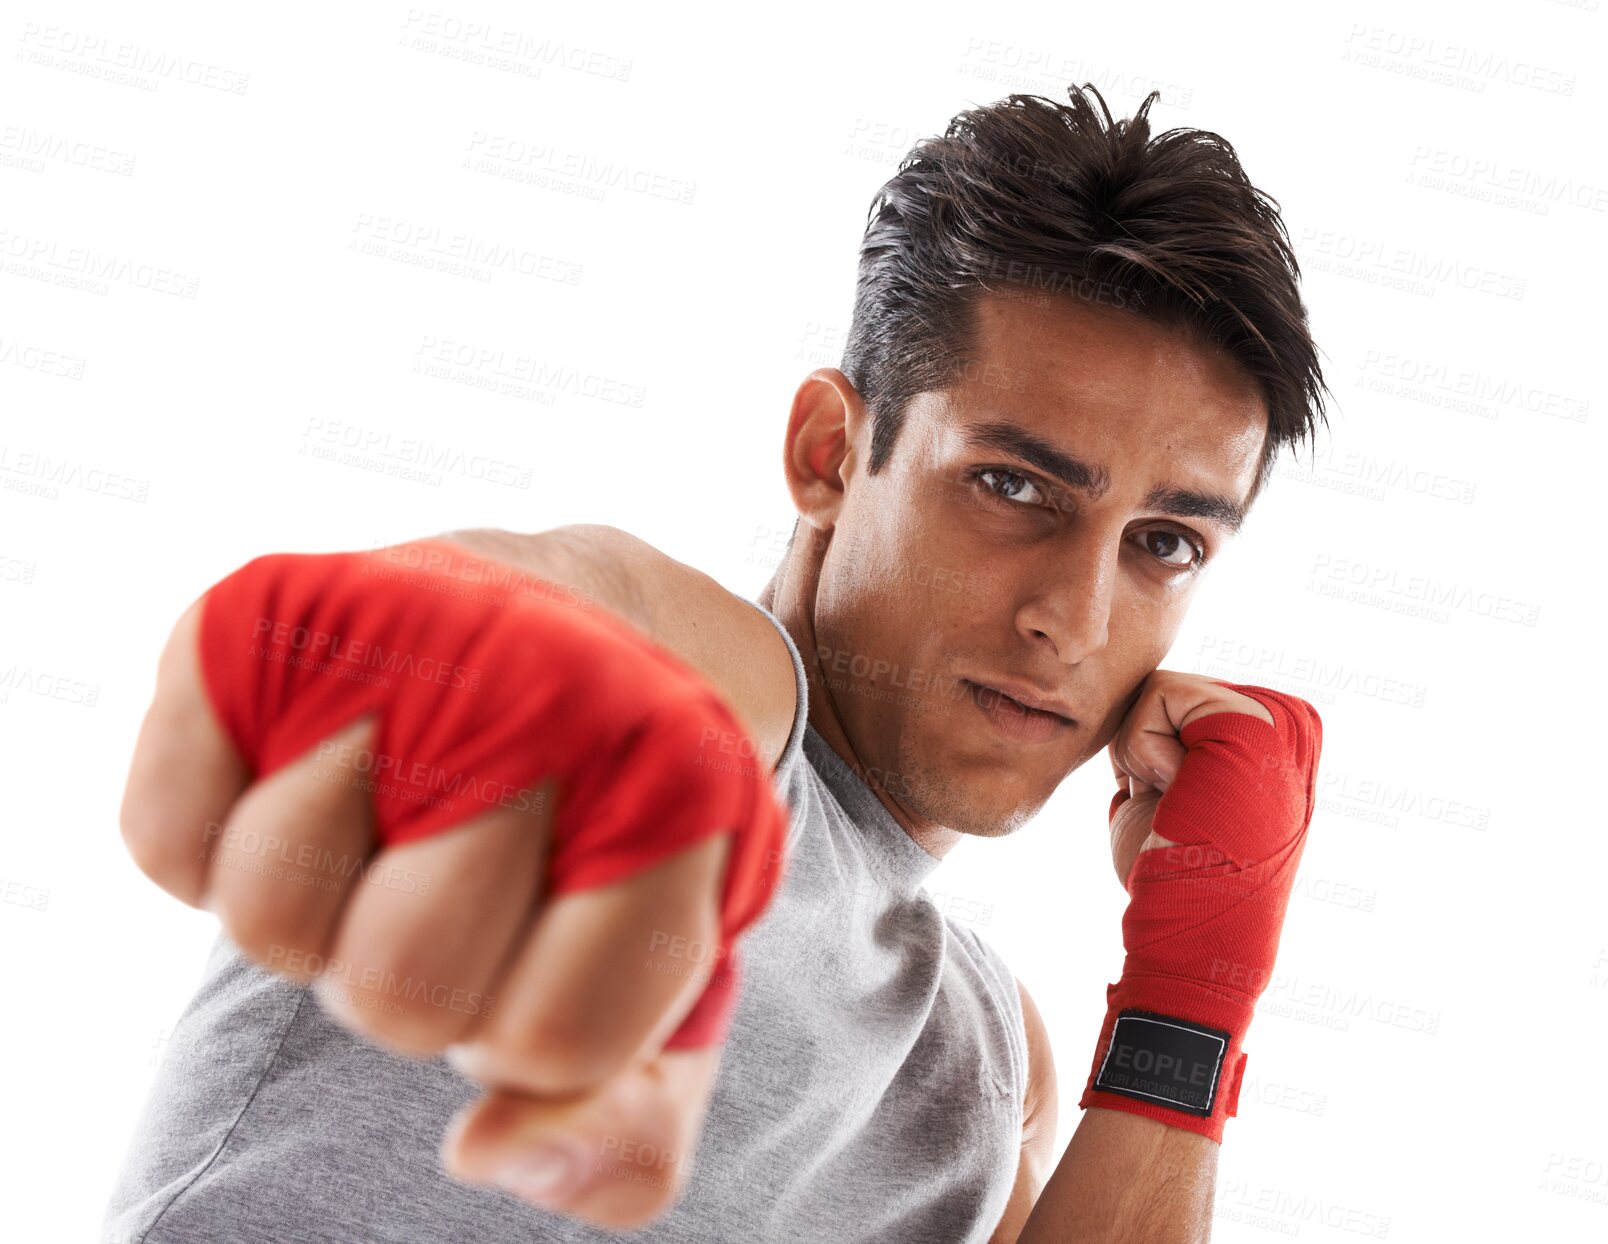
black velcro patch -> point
(1164, 1059)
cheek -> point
(1150, 615)
(864, 627)
(913, 589)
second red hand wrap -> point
(1204, 917)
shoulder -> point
(737, 646)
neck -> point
(791, 595)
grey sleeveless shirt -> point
(870, 1089)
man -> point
(1076, 351)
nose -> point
(1071, 607)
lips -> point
(1021, 700)
(1015, 720)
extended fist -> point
(471, 814)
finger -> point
(1147, 744)
(291, 853)
(618, 1157)
(1138, 789)
(184, 776)
(1117, 770)
(604, 977)
(1130, 824)
(1229, 701)
(423, 942)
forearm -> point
(1126, 1179)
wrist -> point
(1171, 1049)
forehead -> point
(1111, 385)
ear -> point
(824, 427)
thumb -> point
(617, 1156)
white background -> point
(1427, 1064)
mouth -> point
(1015, 719)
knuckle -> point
(260, 928)
(156, 849)
(403, 1003)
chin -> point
(996, 827)
(988, 811)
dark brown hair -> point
(1032, 197)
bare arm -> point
(1039, 1113)
(1123, 1179)
(714, 631)
(1126, 1179)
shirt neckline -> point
(900, 862)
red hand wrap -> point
(485, 682)
(1203, 921)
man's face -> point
(966, 562)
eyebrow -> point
(1093, 479)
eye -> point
(1165, 545)
(1015, 484)
(1179, 549)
